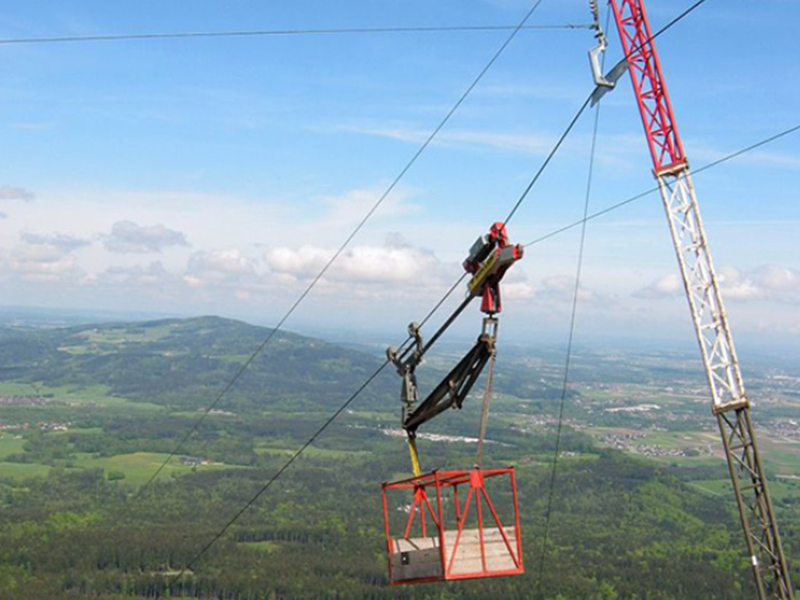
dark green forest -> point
(77, 521)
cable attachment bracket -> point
(597, 51)
(603, 83)
(409, 393)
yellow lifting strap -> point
(412, 449)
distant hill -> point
(187, 362)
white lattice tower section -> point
(702, 289)
(729, 402)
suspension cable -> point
(568, 359)
(583, 222)
(653, 190)
(586, 103)
(115, 37)
(349, 401)
(672, 22)
(247, 363)
(339, 411)
(305, 446)
(279, 472)
(549, 158)
(344, 245)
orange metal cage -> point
(483, 539)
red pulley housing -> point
(433, 533)
(489, 258)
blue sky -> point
(197, 176)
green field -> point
(77, 397)
(13, 388)
(781, 456)
(10, 444)
(124, 335)
(138, 467)
(638, 517)
(311, 451)
(20, 471)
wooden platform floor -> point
(420, 558)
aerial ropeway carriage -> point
(440, 534)
(455, 524)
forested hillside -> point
(183, 362)
(88, 415)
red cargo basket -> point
(482, 540)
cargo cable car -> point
(435, 534)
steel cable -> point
(338, 412)
(568, 360)
(653, 190)
(282, 32)
(247, 363)
(343, 246)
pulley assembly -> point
(478, 543)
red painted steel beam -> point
(442, 482)
(655, 109)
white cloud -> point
(519, 290)
(365, 263)
(736, 285)
(559, 286)
(668, 286)
(206, 220)
(769, 282)
(45, 258)
(151, 275)
(217, 267)
(362, 264)
(777, 280)
(43, 263)
(116, 269)
(128, 237)
(305, 261)
(515, 285)
(64, 242)
(8, 192)
(354, 205)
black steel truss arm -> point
(454, 388)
